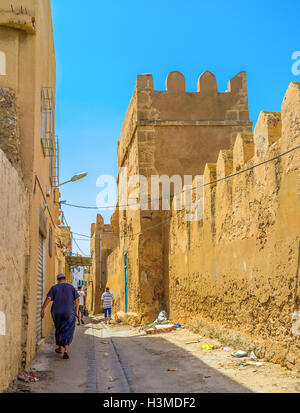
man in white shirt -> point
(82, 305)
(107, 301)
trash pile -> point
(162, 316)
(237, 354)
(27, 379)
(243, 354)
(161, 325)
(161, 328)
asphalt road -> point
(120, 359)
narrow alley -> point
(121, 359)
(149, 176)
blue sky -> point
(101, 46)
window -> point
(48, 139)
(47, 121)
(2, 64)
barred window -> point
(47, 120)
(48, 139)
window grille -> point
(47, 121)
(49, 140)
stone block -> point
(232, 115)
(9, 133)
(224, 163)
(175, 82)
(144, 81)
(207, 83)
(238, 83)
(290, 115)
(243, 150)
(267, 131)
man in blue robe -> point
(65, 309)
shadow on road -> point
(115, 361)
(153, 364)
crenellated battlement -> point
(236, 267)
(207, 104)
(274, 133)
(226, 112)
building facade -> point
(103, 241)
(27, 85)
(171, 132)
(232, 274)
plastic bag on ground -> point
(239, 354)
(162, 316)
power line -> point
(190, 189)
(84, 254)
(187, 189)
(73, 239)
(132, 235)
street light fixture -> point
(75, 178)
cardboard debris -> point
(161, 328)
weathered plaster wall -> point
(103, 241)
(237, 269)
(235, 272)
(9, 133)
(14, 250)
(96, 229)
(27, 42)
(116, 278)
(63, 245)
(168, 132)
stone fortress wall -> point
(235, 274)
(168, 132)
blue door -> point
(126, 282)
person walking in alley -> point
(65, 309)
(107, 301)
(82, 306)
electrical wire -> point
(187, 189)
(73, 239)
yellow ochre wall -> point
(14, 250)
(168, 132)
(237, 269)
(233, 273)
(26, 38)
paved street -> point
(122, 359)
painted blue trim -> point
(126, 282)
